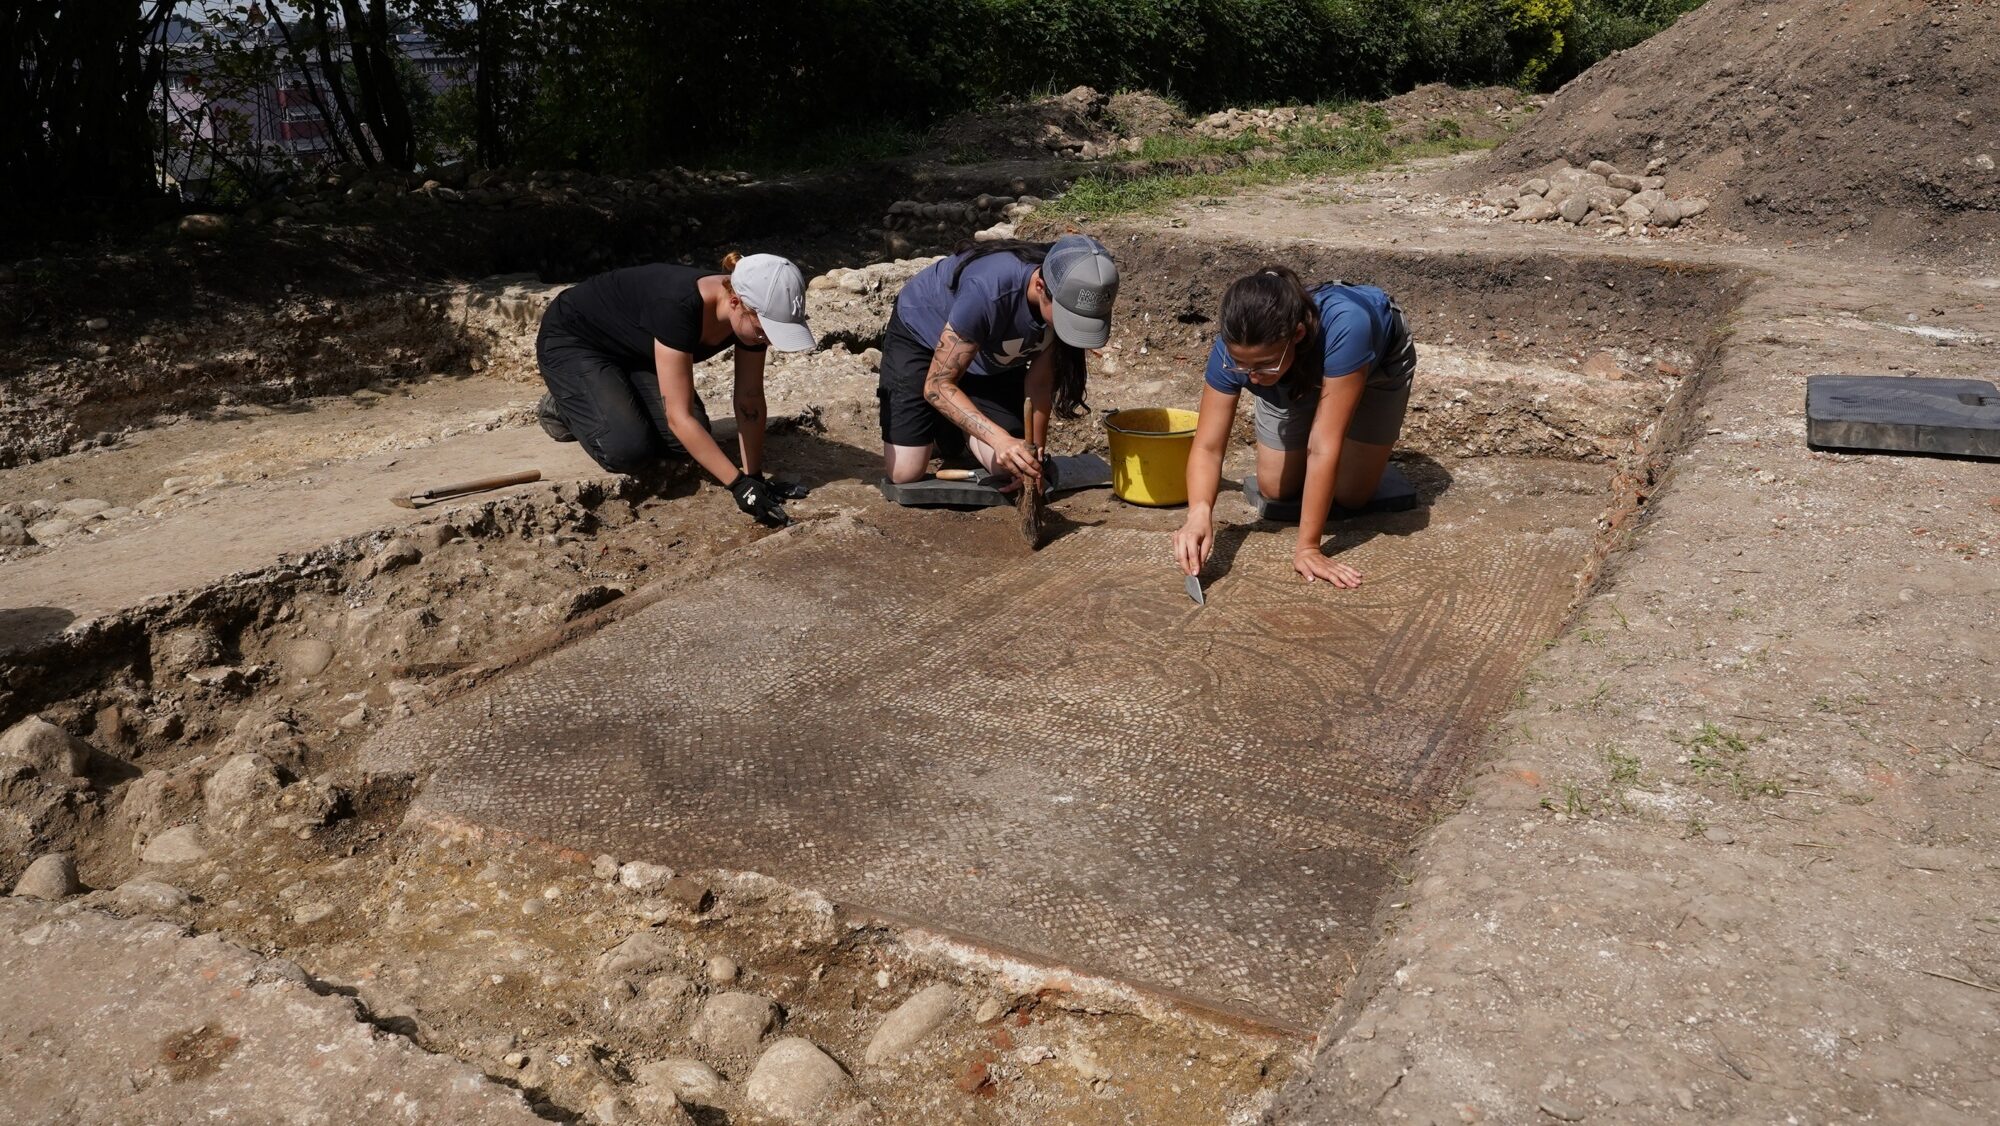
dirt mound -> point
(1880, 122)
(1437, 111)
(1082, 123)
(1428, 113)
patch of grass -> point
(1574, 803)
(1187, 146)
(964, 154)
(1444, 129)
(1715, 754)
(1303, 150)
(1712, 738)
(1624, 765)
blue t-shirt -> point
(1354, 327)
(990, 308)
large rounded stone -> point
(53, 752)
(911, 1021)
(734, 1023)
(51, 877)
(797, 1083)
(180, 845)
(1533, 209)
(642, 953)
(690, 1080)
(202, 227)
(143, 893)
(242, 788)
(308, 656)
(642, 877)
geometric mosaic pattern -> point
(1056, 755)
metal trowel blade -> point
(1194, 590)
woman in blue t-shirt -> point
(977, 336)
(1330, 369)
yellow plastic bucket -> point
(1149, 454)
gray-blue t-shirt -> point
(1354, 326)
(989, 308)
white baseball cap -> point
(774, 289)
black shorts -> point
(908, 419)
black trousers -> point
(615, 411)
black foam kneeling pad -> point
(1393, 494)
(1903, 414)
(1066, 475)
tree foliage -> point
(611, 83)
(634, 83)
(75, 108)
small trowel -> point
(1194, 590)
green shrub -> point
(608, 83)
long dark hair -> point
(1267, 307)
(1070, 373)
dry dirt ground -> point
(1734, 856)
(1729, 857)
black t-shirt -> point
(621, 313)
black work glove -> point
(783, 489)
(787, 489)
(758, 499)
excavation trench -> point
(1060, 758)
(1048, 779)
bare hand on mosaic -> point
(1316, 567)
(1193, 541)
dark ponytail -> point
(1071, 376)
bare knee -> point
(904, 464)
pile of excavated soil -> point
(1879, 121)
(1083, 124)
(1435, 112)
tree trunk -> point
(341, 149)
(329, 68)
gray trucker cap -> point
(1084, 282)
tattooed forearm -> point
(948, 364)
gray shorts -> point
(1378, 417)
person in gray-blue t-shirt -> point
(1330, 370)
(983, 345)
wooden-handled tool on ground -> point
(463, 488)
(1031, 496)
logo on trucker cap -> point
(1083, 280)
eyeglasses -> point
(1284, 360)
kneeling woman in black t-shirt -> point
(618, 353)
